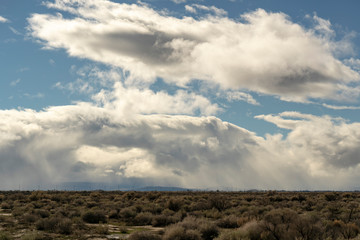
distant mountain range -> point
(164, 189)
(89, 186)
(93, 186)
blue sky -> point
(210, 94)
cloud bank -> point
(265, 52)
(87, 143)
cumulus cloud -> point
(112, 90)
(134, 100)
(265, 52)
(88, 143)
(331, 141)
(171, 148)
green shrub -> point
(177, 232)
(42, 213)
(144, 218)
(30, 218)
(91, 204)
(144, 235)
(48, 224)
(162, 220)
(102, 230)
(190, 222)
(228, 222)
(65, 226)
(127, 213)
(123, 229)
(114, 214)
(331, 196)
(32, 236)
(94, 217)
(218, 202)
(4, 236)
(208, 231)
(234, 235)
(40, 224)
(78, 224)
(7, 205)
(174, 204)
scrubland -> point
(187, 215)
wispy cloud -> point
(24, 69)
(15, 82)
(179, 1)
(10, 40)
(78, 86)
(190, 9)
(353, 62)
(323, 26)
(13, 30)
(335, 107)
(52, 62)
(232, 96)
(217, 11)
(37, 95)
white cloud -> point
(217, 11)
(323, 26)
(240, 96)
(335, 107)
(353, 63)
(87, 143)
(112, 90)
(329, 144)
(265, 53)
(152, 146)
(78, 86)
(132, 100)
(190, 9)
(3, 20)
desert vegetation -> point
(187, 215)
